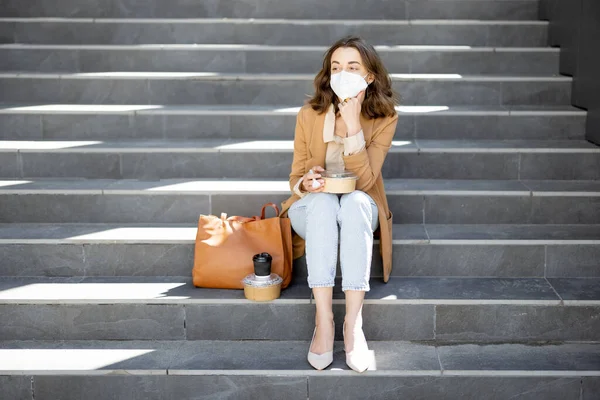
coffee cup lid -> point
(262, 257)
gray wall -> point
(575, 27)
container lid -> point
(262, 281)
(262, 257)
(339, 174)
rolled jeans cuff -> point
(321, 285)
(361, 288)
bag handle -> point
(236, 218)
(252, 219)
(272, 205)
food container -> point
(262, 288)
(339, 181)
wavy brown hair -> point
(380, 99)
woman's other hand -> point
(350, 112)
(313, 175)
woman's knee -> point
(355, 202)
(327, 202)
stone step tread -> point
(458, 59)
(269, 21)
(274, 186)
(398, 290)
(416, 234)
(521, 9)
(287, 146)
(262, 357)
(227, 76)
(273, 31)
(223, 109)
(274, 92)
(265, 47)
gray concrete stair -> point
(202, 357)
(317, 9)
(399, 290)
(229, 158)
(51, 121)
(258, 58)
(264, 368)
(121, 121)
(412, 201)
(271, 89)
(435, 250)
(509, 33)
(440, 309)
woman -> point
(348, 124)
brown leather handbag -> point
(225, 247)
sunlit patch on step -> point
(44, 145)
(425, 47)
(400, 143)
(80, 108)
(224, 186)
(65, 359)
(421, 109)
(271, 145)
(142, 75)
(373, 366)
(425, 76)
(92, 291)
(135, 234)
(13, 183)
(287, 110)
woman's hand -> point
(307, 182)
(350, 112)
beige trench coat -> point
(310, 150)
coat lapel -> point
(318, 147)
(367, 127)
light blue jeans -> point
(320, 219)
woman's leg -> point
(353, 322)
(358, 219)
(325, 334)
(314, 218)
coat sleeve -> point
(300, 154)
(367, 163)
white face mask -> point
(346, 84)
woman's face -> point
(348, 59)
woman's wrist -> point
(353, 130)
(303, 188)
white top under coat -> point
(335, 147)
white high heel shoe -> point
(319, 361)
(360, 358)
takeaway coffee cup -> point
(262, 264)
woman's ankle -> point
(324, 319)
